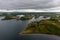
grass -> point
(26, 17)
(51, 26)
(8, 17)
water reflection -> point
(2, 17)
(10, 29)
(39, 18)
(40, 37)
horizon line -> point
(27, 10)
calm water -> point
(10, 29)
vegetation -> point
(43, 27)
(7, 17)
(36, 16)
(26, 17)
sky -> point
(30, 5)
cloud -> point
(55, 9)
(22, 10)
(28, 4)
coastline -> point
(38, 34)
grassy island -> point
(51, 26)
(26, 17)
(8, 17)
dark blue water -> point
(10, 29)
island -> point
(51, 26)
(27, 17)
(8, 17)
(18, 17)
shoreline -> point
(38, 34)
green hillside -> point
(43, 27)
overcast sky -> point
(28, 4)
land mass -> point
(51, 26)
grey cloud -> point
(28, 4)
